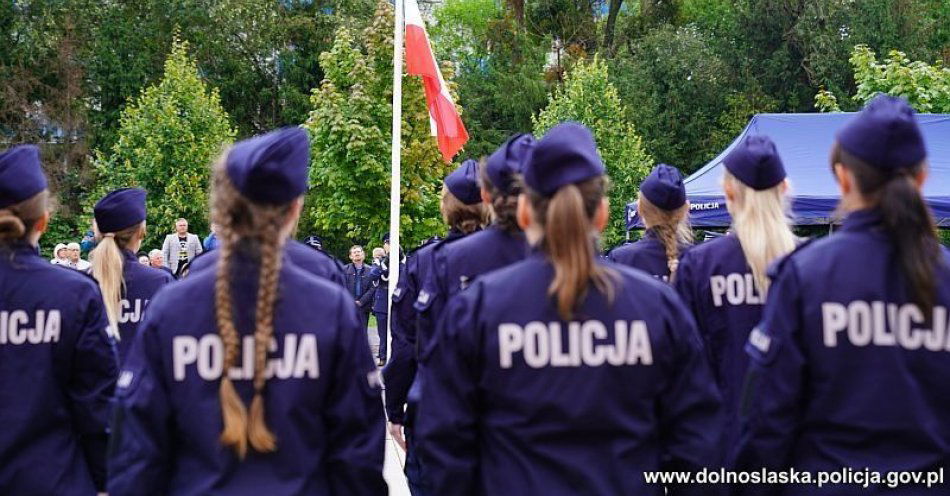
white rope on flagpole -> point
(394, 192)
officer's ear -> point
(729, 190)
(844, 177)
(42, 224)
(486, 196)
(921, 177)
(602, 215)
(524, 212)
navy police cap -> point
(567, 154)
(271, 168)
(755, 162)
(508, 160)
(120, 209)
(664, 187)
(463, 183)
(21, 175)
(884, 134)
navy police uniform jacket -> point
(302, 256)
(517, 401)
(57, 376)
(716, 284)
(402, 366)
(459, 263)
(141, 283)
(322, 399)
(648, 254)
(846, 372)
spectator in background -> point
(211, 242)
(359, 282)
(143, 258)
(88, 242)
(180, 247)
(378, 255)
(60, 255)
(157, 260)
(74, 261)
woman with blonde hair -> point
(252, 378)
(57, 364)
(724, 282)
(126, 285)
(564, 373)
(665, 212)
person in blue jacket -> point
(316, 262)
(251, 378)
(665, 212)
(564, 373)
(850, 362)
(724, 281)
(380, 273)
(127, 286)
(463, 212)
(57, 361)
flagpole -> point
(394, 189)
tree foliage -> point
(350, 126)
(167, 140)
(588, 97)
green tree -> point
(588, 97)
(926, 87)
(167, 140)
(350, 128)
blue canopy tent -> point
(804, 143)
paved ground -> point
(395, 456)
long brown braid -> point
(241, 221)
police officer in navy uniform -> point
(500, 244)
(665, 212)
(564, 373)
(724, 281)
(126, 285)
(850, 362)
(463, 212)
(380, 273)
(316, 262)
(57, 362)
(238, 382)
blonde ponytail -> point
(256, 226)
(107, 265)
(760, 220)
(570, 243)
(671, 228)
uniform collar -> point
(129, 256)
(649, 234)
(862, 220)
(24, 248)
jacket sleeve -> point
(141, 437)
(92, 385)
(401, 368)
(771, 404)
(197, 243)
(167, 251)
(446, 430)
(369, 290)
(357, 426)
(690, 409)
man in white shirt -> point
(74, 260)
(180, 247)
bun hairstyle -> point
(565, 185)
(23, 193)
(759, 207)
(18, 220)
(254, 185)
(884, 149)
(461, 204)
(661, 203)
(500, 175)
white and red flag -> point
(445, 120)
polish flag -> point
(445, 120)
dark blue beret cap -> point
(884, 134)
(120, 209)
(755, 162)
(664, 187)
(567, 154)
(463, 183)
(271, 168)
(21, 175)
(509, 160)
(386, 238)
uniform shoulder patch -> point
(761, 346)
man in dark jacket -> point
(359, 282)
